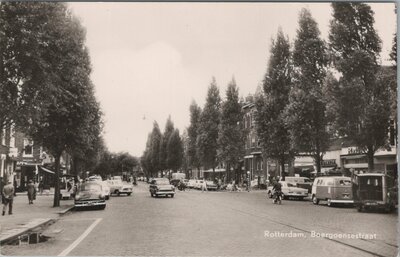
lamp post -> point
(248, 181)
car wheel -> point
(315, 200)
(360, 208)
(102, 207)
(301, 198)
(172, 196)
(329, 203)
(129, 194)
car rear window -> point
(162, 182)
(88, 187)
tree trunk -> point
(283, 169)
(56, 202)
(228, 171)
(213, 173)
(318, 159)
(370, 156)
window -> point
(12, 138)
(28, 147)
(3, 137)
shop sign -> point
(329, 163)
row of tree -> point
(311, 93)
(318, 91)
(164, 151)
(45, 90)
(115, 164)
(215, 135)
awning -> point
(352, 157)
(216, 170)
(248, 156)
(49, 171)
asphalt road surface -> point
(216, 224)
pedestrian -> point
(31, 191)
(41, 187)
(219, 183)
(8, 196)
(204, 186)
(233, 186)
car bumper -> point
(296, 195)
(342, 201)
(90, 203)
(164, 192)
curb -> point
(23, 229)
(68, 209)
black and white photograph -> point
(198, 128)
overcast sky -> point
(150, 60)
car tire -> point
(300, 198)
(172, 196)
(315, 200)
(129, 194)
(102, 207)
(360, 208)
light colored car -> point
(90, 195)
(211, 185)
(289, 190)
(199, 184)
(191, 183)
(105, 188)
(118, 187)
(161, 186)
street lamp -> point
(248, 181)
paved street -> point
(214, 224)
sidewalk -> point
(27, 216)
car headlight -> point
(78, 197)
(101, 196)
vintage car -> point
(375, 191)
(105, 188)
(90, 195)
(118, 187)
(211, 185)
(191, 183)
(161, 186)
(301, 182)
(289, 190)
(333, 190)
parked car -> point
(105, 188)
(191, 183)
(161, 186)
(289, 190)
(334, 190)
(211, 185)
(301, 182)
(198, 184)
(90, 195)
(375, 191)
(118, 187)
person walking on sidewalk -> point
(31, 191)
(8, 196)
(204, 186)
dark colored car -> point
(90, 195)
